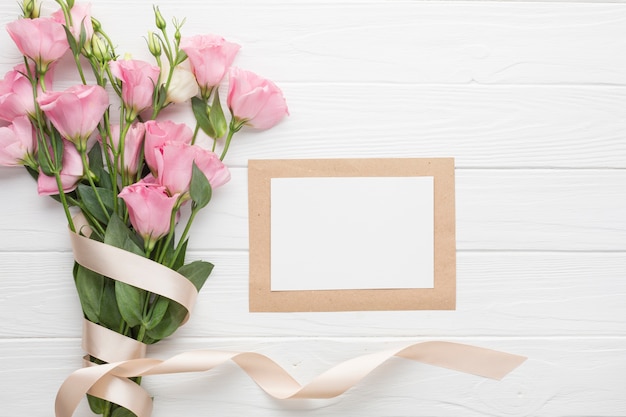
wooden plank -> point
(569, 210)
(481, 126)
(498, 294)
(569, 376)
(423, 42)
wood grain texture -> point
(402, 42)
(529, 99)
(560, 210)
(509, 294)
(558, 371)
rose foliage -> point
(103, 148)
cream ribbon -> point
(126, 356)
(105, 381)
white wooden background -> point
(530, 98)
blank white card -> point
(342, 233)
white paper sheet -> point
(333, 233)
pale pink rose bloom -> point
(17, 142)
(210, 57)
(174, 166)
(255, 101)
(16, 92)
(76, 111)
(157, 133)
(149, 209)
(71, 173)
(133, 144)
(81, 15)
(16, 96)
(183, 84)
(139, 79)
(42, 39)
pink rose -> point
(175, 162)
(133, 144)
(81, 16)
(149, 209)
(76, 111)
(157, 133)
(16, 92)
(139, 79)
(42, 39)
(183, 84)
(16, 96)
(71, 173)
(17, 143)
(255, 101)
(210, 57)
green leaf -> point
(169, 254)
(83, 33)
(89, 198)
(74, 47)
(90, 287)
(216, 116)
(197, 272)
(96, 404)
(96, 165)
(158, 311)
(46, 165)
(180, 260)
(120, 236)
(200, 188)
(160, 96)
(201, 113)
(96, 162)
(51, 162)
(122, 412)
(130, 301)
(180, 57)
(171, 321)
(57, 147)
(110, 315)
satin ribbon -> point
(126, 356)
(131, 269)
(268, 375)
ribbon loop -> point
(273, 379)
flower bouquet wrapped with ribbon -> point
(130, 181)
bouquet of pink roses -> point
(127, 172)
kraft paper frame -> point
(441, 297)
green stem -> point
(66, 207)
(183, 237)
(114, 84)
(119, 153)
(92, 220)
(231, 131)
(170, 235)
(195, 134)
(80, 69)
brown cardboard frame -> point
(441, 297)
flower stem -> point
(183, 237)
(170, 235)
(231, 132)
(66, 207)
(80, 69)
